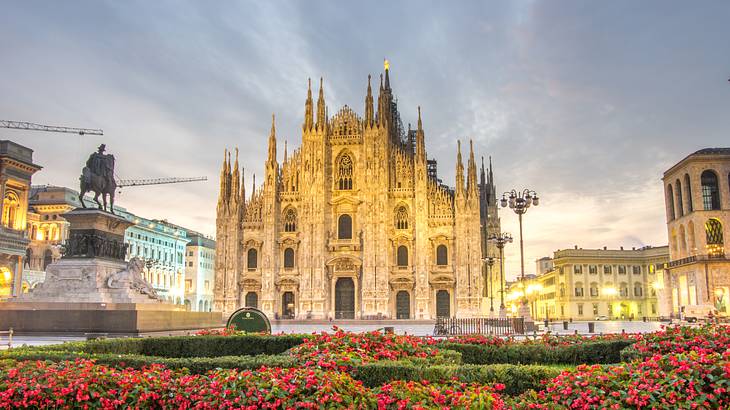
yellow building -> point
(590, 284)
(355, 223)
(697, 198)
(16, 170)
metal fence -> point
(451, 326)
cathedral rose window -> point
(401, 218)
(344, 172)
(290, 220)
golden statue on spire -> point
(386, 64)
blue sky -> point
(585, 102)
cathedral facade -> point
(355, 224)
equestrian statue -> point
(98, 177)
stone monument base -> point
(114, 319)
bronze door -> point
(443, 302)
(403, 305)
(345, 299)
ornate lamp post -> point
(519, 202)
(500, 240)
(490, 293)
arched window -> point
(288, 258)
(442, 255)
(402, 256)
(624, 289)
(715, 240)
(252, 259)
(670, 201)
(11, 206)
(401, 218)
(579, 289)
(344, 172)
(290, 220)
(638, 290)
(680, 203)
(691, 237)
(710, 191)
(688, 186)
(344, 227)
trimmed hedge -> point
(599, 352)
(194, 364)
(186, 346)
(516, 378)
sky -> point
(586, 103)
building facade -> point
(354, 223)
(697, 198)
(16, 171)
(586, 284)
(162, 247)
(199, 272)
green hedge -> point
(516, 378)
(194, 364)
(600, 352)
(186, 346)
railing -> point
(9, 334)
(695, 258)
(446, 326)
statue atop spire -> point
(386, 66)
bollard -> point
(565, 325)
(591, 327)
(644, 318)
(576, 332)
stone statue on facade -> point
(98, 177)
(131, 278)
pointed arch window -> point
(290, 220)
(344, 227)
(670, 201)
(344, 172)
(402, 256)
(710, 191)
(442, 255)
(11, 208)
(401, 218)
(252, 259)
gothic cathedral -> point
(355, 224)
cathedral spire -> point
(386, 66)
(369, 105)
(420, 140)
(272, 141)
(222, 192)
(321, 112)
(308, 108)
(243, 187)
(234, 179)
(253, 186)
(471, 184)
(459, 171)
(492, 188)
(285, 153)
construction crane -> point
(30, 126)
(121, 183)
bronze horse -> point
(98, 177)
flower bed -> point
(343, 350)
(705, 339)
(694, 380)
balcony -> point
(698, 258)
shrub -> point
(515, 378)
(608, 351)
(693, 380)
(680, 339)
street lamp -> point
(519, 202)
(500, 240)
(490, 293)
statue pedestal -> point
(92, 288)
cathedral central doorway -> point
(287, 305)
(402, 305)
(345, 299)
(443, 308)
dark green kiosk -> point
(249, 320)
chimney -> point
(576, 246)
(622, 248)
(605, 247)
(633, 248)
